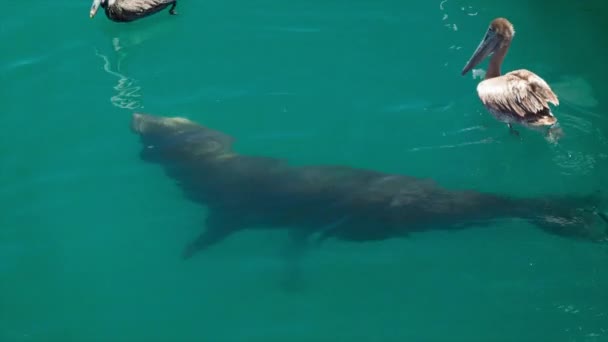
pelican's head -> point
(499, 33)
(95, 6)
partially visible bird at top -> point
(129, 10)
(517, 97)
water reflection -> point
(128, 92)
(576, 91)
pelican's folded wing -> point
(518, 92)
(142, 5)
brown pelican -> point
(129, 10)
(518, 96)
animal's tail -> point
(571, 216)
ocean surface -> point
(91, 236)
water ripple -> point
(575, 163)
(576, 122)
(128, 96)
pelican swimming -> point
(129, 10)
(519, 96)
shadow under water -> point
(314, 203)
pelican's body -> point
(129, 10)
(520, 96)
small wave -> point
(468, 11)
(576, 122)
(466, 129)
(478, 142)
(407, 106)
(40, 58)
(471, 129)
(570, 309)
(23, 63)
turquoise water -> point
(91, 236)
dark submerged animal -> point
(333, 201)
(129, 10)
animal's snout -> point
(138, 122)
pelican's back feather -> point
(519, 92)
(140, 5)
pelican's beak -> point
(488, 44)
(94, 8)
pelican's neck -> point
(497, 58)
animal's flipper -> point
(293, 253)
(586, 225)
(218, 227)
(172, 10)
(298, 241)
(575, 217)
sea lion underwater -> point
(321, 202)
